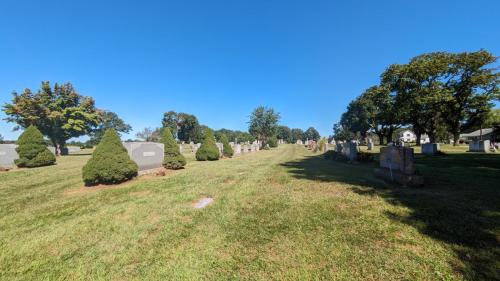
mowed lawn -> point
(284, 214)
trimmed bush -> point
(208, 149)
(173, 159)
(272, 141)
(32, 150)
(110, 162)
(228, 150)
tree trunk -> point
(456, 137)
(54, 143)
(456, 133)
(380, 138)
(418, 138)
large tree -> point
(285, 134)
(375, 110)
(473, 86)
(297, 134)
(421, 91)
(109, 120)
(263, 123)
(149, 134)
(183, 125)
(312, 134)
(60, 113)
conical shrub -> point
(227, 149)
(110, 162)
(32, 150)
(208, 149)
(173, 159)
(272, 141)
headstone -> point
(299, 142)
(370, 144)
(220, 146)
(147, 155)
(479, 146)
(73, 149)
(52, 149)
(181, 147)
(397, 164)
(430, 148)
(350, 150)
(338, 147)
(7, 155)
(237, 149)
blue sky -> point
(220, 59)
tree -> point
(297, 134)
(173, 159)
(109, 120)
(341, 134)
(1, 138)
(32, 149)
(208, 149)
(59, 113)
(183, 125)
(285, 134)
(149, 134)
(473, 87)
(109, 163)
(312, 134)
(227, 149)
(170, 121)
(357, 119)
(263, 123)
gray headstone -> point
(220, 146)
(237, 149)
(430, 148)
(479, 146)
(370, 144)
(147, 155)
(7, 155)
(73, 149)
(398, 158)
(52, 149)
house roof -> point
(477, 133)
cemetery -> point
(250, 140)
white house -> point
(410, 136)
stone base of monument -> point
(398, 177)
(430, 148)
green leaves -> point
(32, 149)
(59, 112)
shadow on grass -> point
(459, 204)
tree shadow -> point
(458, 205)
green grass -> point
(283, 214)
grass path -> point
(282, 214)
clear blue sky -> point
(220, 59)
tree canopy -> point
(285, 134)
(263, 123)
(60, 113)
(183, 125)
(297, 134)
(109, 120)
(436, 93)
(312, 134)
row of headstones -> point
(193, 147)
(8, 153)
(246, 147)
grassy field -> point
(284, 214)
